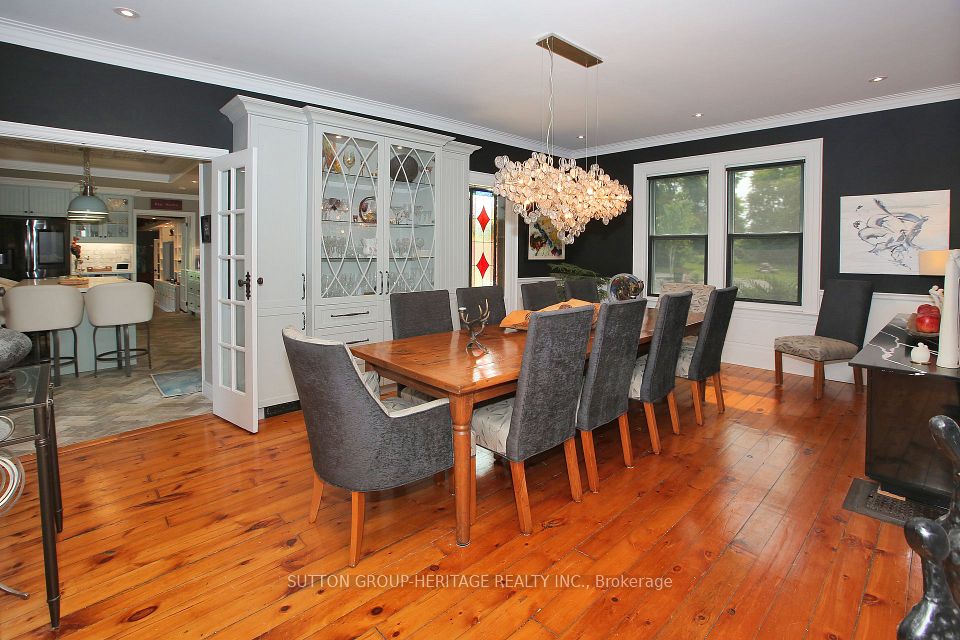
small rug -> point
(178, 383)
(863, 497)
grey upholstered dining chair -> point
(419, 313)
(357, 441)
(654, 374)
(701, 293)
(472, 298)
(543, 413)
(582, 289)
(606, 387)
(841, 326)
(538, 295)
(700, 355)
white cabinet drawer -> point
(359, 334)
(345, 315)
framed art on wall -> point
(543, 243)
(885, 233)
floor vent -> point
(865, 497)
(279, 409)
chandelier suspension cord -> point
(550, 106)
(596, 112)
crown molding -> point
(869, 105)
(37, 37)
(96, 172)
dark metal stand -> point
(123, 352)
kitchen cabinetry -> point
(119, 226)
(190, 291)
(166, 295)
(22, 200)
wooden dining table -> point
(438, 365)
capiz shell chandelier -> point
(558, 188)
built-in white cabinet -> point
(190, 291)
(22, 200)
(166, 295)
(349, 210)
(119, 226)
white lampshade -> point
(934, 262)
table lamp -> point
(946, 262)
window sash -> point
(731, 237)
(651, 254)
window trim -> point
(673, 236)
(810, 151)
(732, 235)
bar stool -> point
(120, 305)
(49, 309)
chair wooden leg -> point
(625, 442)
(358, 499)
(718, 389)
(674, 416)
(473, 489)
(858, 378)
(697, 402)
(573, 469)
(315, 497)
(519, 474)
(590, 461)
(439, 477)
(652, 426)
(818, 380)
(778, 368)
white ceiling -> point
(38, 160)
(734, 60)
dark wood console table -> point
(902, 396)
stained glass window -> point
(483, 238)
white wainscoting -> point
(517, 302)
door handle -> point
(350, 315)
(303, 296)
(304, 314)
(245, 283)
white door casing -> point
(234, 251)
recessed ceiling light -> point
(194, 181)
(580, 137)
(125, 12)
(878, 78)
(698, 115)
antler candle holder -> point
(475, 326)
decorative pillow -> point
(520, 319)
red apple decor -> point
(928, 319)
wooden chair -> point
(420, 313)
(473, 298)
(700, 356)
(358, 441)
(606, 387)
(582, 289)
(654, 374)
(841, 326)
(543, 413)
(538, 295)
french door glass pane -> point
(679, 205)
(766, 199)
(484, 258)
(766, 268)
(349, 210)
(676, 260)
(411, 219)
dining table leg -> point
(461, 411)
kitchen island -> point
(106, 337)
(902, 396)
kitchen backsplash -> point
(105, 254)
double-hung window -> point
(765, 232)
(678, 229)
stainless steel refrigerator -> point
(34, 247)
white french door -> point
(234, 323)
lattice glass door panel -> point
(348, 242)
(412, 220)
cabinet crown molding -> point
(350, 121)
(241, 106)
(460, 147)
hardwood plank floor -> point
(196, 529)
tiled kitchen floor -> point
(111, 403)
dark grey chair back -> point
(705, 360)
(606, 387)
(659, 374)
(419, 313)
(844, 310)
(551, 376)
(582, 289)
(473, 298)
(537, 295)
(354, 442)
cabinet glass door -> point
(412, 218)
(348, 209)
